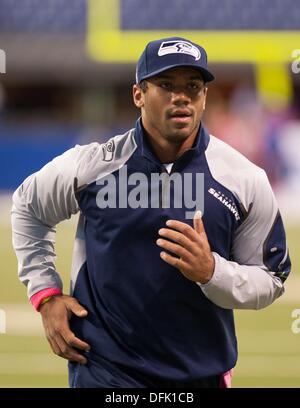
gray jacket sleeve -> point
(48, 197)
(260, 262)
(43, 200)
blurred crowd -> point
(266, 135)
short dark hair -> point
(143, 85)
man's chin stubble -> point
(178, 137)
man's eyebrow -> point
(199, 78)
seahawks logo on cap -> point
(179, 47)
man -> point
(153, 291)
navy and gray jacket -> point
(143, 314)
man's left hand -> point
(193, 257)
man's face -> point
(173, 104)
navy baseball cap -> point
(167, 53)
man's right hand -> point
(56, 314)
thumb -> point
(198, 224)
(77, 309)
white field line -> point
(23, 320)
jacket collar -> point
(144, 148)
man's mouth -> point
(180, 115)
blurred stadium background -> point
(70, 66)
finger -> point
(176, 262)
(179, 238)
(53, 345)
(73, 341)
(77, 309)
(184, 228)
(59, 349)
(68, 352)
(198, 224)
(62, 328)
(176, 249)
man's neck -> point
(168, 152)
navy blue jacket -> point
(144, 316)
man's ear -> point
(138, 96)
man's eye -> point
(166, 85)
(194, 87)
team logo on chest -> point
(179, 47)
(225, 201)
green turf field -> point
(269, 352)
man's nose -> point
(179, 95)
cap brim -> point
(207, 76)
